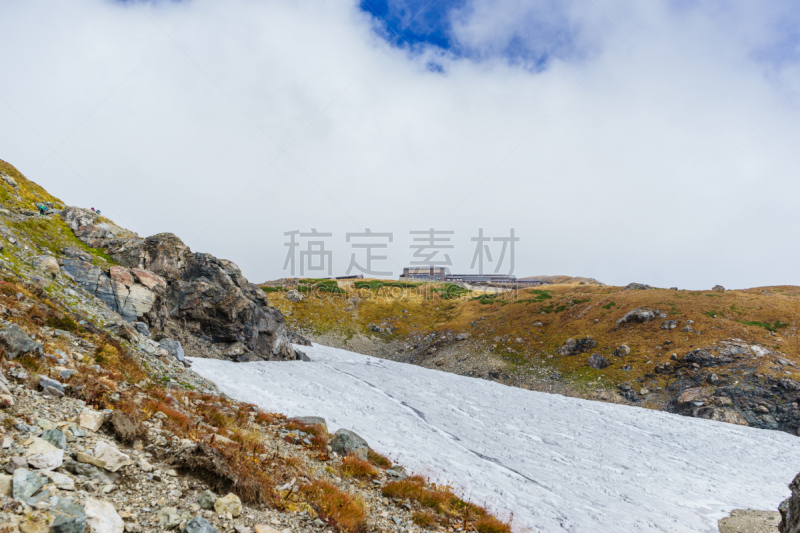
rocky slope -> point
(730, 356)
(105, 428)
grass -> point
(485, 321)
(354, 467)
(774, 327)
(333, 504)
(441, 505)
(268, 289)
(378, 460)
(449, 291)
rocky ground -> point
(104, 426)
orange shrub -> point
(333, 504)
(352, 466)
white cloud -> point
(665, 157)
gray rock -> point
(69, 517)
(168, 518)
(573, 346)
(90, 471)
(207, 499)
(294, 295)
(198, 525)
(52, 392)
(174, 348)
(47, 265)
(26, 483)
(55, 437)
(345, 442)
(16, 462)
(312, 420)
(67, 373)
(622, 350)
(45, 382)
(637, 316)
(397, 471)
(637, 287)
(142, 328)
(296, 338)
(598, 361)
(16, 342)
(705, 358)
(669, 324)
(718, 288)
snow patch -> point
(556, 463)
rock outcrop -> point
(790, 509)
(163, 283)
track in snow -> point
(556, 463)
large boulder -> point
(208, 297)
(790, 509)
(345, 442)
(47, 265)
(15, 342)
(576, 346)
(638, 316)
(117, 287)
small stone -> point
(45, 382)
(16, 462)
(168, 518)
(91, 419)
(52, 392)
(55, 437)
(35, 523)
(598, 361)
(207, 499)
(42, 454)
(133, 527)
(198, 525)
(26, 483)
(6, 485)
(101, 517)
(69, 517)
(112, 458)
(62, 481)
(622, 350)
(229, 504)
(145, 465)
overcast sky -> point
(644, 141)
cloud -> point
(624, 141)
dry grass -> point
(352, 466)
(347, 514)
(442, 505)
(425, 519)
(378, 460)
(570, 310)
(490, 524)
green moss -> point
(54, 235)
(766, 325)
(609, 305)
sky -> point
(648, 141)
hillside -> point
(104, 426)
(724, 355)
